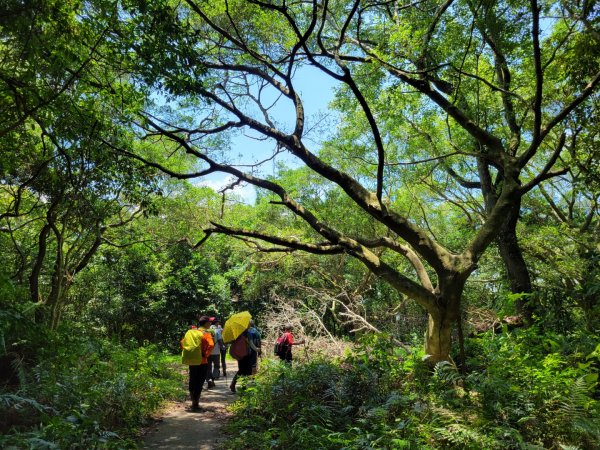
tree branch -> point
(545, 172)
(587, 91)
(539, 74)
(412, 257)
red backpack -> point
(239, 348)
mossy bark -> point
(438, 338)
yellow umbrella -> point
(236, 325)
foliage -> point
(62, 192)
(149, 297)
(459, 174)
(449, 115)
(81, 391)
(524, 391)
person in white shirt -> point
(214, 360)
(221, 345)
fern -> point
(17, 402)
(575, 405)
(574, 411)
(588, 426)
(464, 436)
(17, 367)
(447, 373)
(446, 415)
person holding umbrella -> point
(196, 345)
(242, 348)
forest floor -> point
(181, 429)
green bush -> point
(534, 383)
(84, 392)
(524, 390)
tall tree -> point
(61, 192)
(487, 72)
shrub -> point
(80, 391)
(524, 391)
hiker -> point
(214, 360)
(196, 345)
(286, 343)
(254, 336)
(222, 346)
(245, 363)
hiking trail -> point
(181, 429)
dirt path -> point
(182, 429)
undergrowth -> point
(521, 391)
(73, 390)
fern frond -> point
(574, 405)
(446, 372)
(17, 402)
(448, 416)
(588, 427)
(18, 369)
(464, 436)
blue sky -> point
(317, 91)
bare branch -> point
(539, 74)
(545, 172)
(412, 257)
(587, 91)
(322, 248)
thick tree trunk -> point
(516, 267)
(508, 244)
(438, 339)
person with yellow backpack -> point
(196, 346)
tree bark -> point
(441, 319)
(438, 339)
(516, 267)
(507, 242)
(34, 277)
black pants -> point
(286, 356)
(197, 378)
(244, 368)
(214, 366)
(223, 364)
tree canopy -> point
(410, 165)
(466, 107)
(450, 117)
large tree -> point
(61, 194)
(477, 87)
